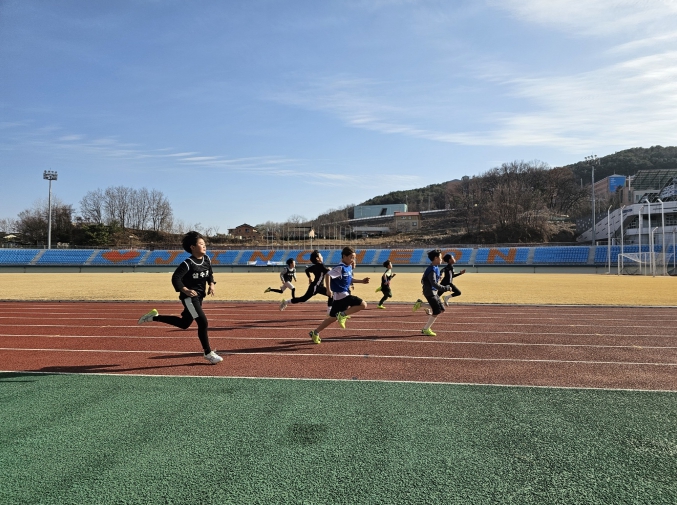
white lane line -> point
(386, 381)
(339, 339)
(215, 325)
(215, 328)
(365, 356)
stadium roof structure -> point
(653, 179)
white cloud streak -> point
(630, 100)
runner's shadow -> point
(9, 376)
(113, 368)
(282, 347)
(175, 356)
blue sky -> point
(257, 110)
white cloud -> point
(630, 99)
(595, 17)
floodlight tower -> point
(593, 160)
(49, 175)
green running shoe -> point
(380, 307)
(342, 318)
(268, 289)
(429, 332)
(379, 288)
(147, 318)
(315, 337)
(417, 305)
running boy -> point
(286, 276)
(448, 275)
(337, 282)
(385, 283)
(316, 285)
(190, 280)
(431, 288)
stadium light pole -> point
(665, 268)
(593, 160)
(608, 237)
(621, 257)
(646, 200)
(641, 218)
(653, 270)
(49, 175)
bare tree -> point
(32, 223)
(117, 204)
(139, 210)
(8, 225)
(296, 219)
(92, 207)
(160, 212)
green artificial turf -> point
(88, 439)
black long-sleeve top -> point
(448, 275)
(193, 274)
(318, 270)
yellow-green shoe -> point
(378, 289)
(429, 332)
(417, 305)
(342, 318)
(315, 337)
(147, 318)
(380, 307)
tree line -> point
(103, 217)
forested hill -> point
(432, 196)
(627, 162)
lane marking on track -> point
(550, 321)
(264, 325)
(339, 339)
(352, 356)
(304, 329)
(464, 314)
(385, 381)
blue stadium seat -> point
(74, 257)
(225, 258)
(561, 255)
(17, 256)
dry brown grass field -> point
(496, 288)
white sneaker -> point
(147, 318)
(213, 358)
(446, 300)
(429, 312)
(283, 304)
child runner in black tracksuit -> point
(286, 276)
(316, 284)
(448, 275)
(190, 280)
(385, 283)
(431, 289)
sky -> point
(259, 110)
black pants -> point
(312, 291)
(454, 290)
(387, 293)
(192, 311)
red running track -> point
(556, 346)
